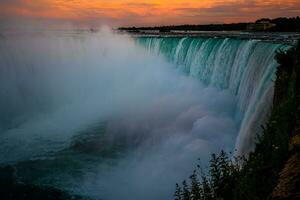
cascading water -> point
(96, 114)
(244, 67)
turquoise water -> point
(244, 67)
(115, 117)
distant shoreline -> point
(289, 38)
(279, 30)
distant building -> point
(260, 26)
(150, 31)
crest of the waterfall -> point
(244, 67)
(56, 87)
(101, 111)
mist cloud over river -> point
(99, 115)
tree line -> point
(282, 24)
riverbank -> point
(289, 38)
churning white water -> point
(246, 68)
(100, 115)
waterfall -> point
(92, 113)
(244, 67)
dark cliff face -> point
(289, 180)
(277, 150)
(272, 170)
(274, 163)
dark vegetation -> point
(227, 178)
(281, 25)
(286, 24)
(256, 177)
(186, 27)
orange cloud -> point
(148, 12)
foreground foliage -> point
(256, 178)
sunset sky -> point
(144, 12)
